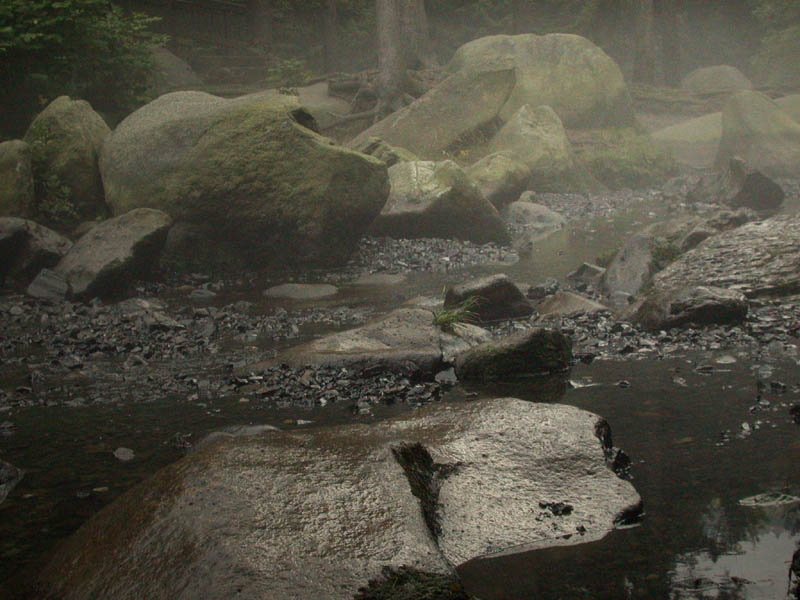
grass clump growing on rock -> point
(447, 318)
(407, 583)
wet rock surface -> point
(492, 298)
(27, 247)
(286, 505)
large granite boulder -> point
(16, 179)
(500, 177)
(318, 513)
(491, 298)
(493, 77)
(536, 138)
(27, 247)
(66, 139)
(529, 352)
(719, 79)
(756, 129)
(692, 143)
(246, 181)
(577, 79)
(756, 259)
(111, 255)
(438, 200)
(698, 306)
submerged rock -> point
(301, 291)
(114, 253)
(318, 514)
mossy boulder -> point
(536, 137)
(718, 79)
(575, 77)
(756, 129)
(501, 177)
(437, 200)
(16, 179)
(623, 158)
(66, 139)
(247, 181)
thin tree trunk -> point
(414, 33)
(391, 62)
(330, 37)
(644, 65)
(671, 42)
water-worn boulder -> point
(633, 266)
(739, 186)
(493, 77)
(16, 179)
(536, 137)
(530, 222)
(437, 199)
(755, 128)
(719, 79)
(527, 352)
(114, 253)
(577, 79)
(698, 305)
(500, 177)
(316, 514)
(493, 298)
(66, 139)
(692, 143)
(246, 182)
(757, 259)
(27, 247)
(48, 285)
(566, 303)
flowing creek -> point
(697, 450)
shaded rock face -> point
(757, 259)
(48, 285)
(245, 181)
(700, 305)
(114, 253)
(10, 476)
(757, 130)
(724, 220)
(632, 267)
(66, 139)
(391, 155)
(16, 179)
(27, 247)
(530, 352)
(530, 222)
(173, 73)
(567, 303)
(536, 137)
(325, 109)
(316, 514)
(719, 79)
(496, 298)
(493, 77)
(739, 186)
(500, 177)
(437, 200)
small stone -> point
(124, 454)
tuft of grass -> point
(461, 313)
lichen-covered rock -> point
(528, 352)
(492, 298)
(698, 306)
(577, 79)
(757, 259)
(536, 137)
(756, 129)
(317, 514)
(500, 177)
(246, 182)
(437, 200)
(113, 254)
(66, 139)
(16, 179)
(719, 79)
(27, 247)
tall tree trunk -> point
(330, 37)
(414, 33)
(671, 41)
(644, 63)
(391, 58)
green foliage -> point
(780, 47)
(446, 318)
(89, 49)
(53, 204)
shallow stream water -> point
(696, 540)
